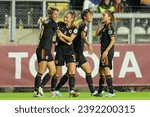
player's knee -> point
(51, 74)
(71, 75)
(88, 74)
(71, 72)
(39, 74)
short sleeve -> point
(75, 31)
(85, 28)
(111, 31)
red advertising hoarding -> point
(130, 65)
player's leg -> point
(55, 78)
(71, 72)
(52, 69)
(42, 65)
(107, 68)
(59, 61)
(41, 69)
(62, 82)
(109, 82)
(87, 69)
(101, 81)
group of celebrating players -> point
(69, 47)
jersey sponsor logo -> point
(75, 31)
(110, 32)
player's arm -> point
(41, 32)
(98, 31)
(105, 53)
(63, 40)
(41, 20)
(58, 32)
(68, 38)
(84, 37)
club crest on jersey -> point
(75, 31)
(110, 32)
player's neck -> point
(68, 25)
(86, 23)
(108, 22)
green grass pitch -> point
(83, 96)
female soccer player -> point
(79, 41)
(107, 41)
(43, 51)
(64, 50)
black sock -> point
(37, 81)
(62, 81)
(53, 83)
(90, 82)
(71, 82)
(45, 80)
(101, 83)
(109, 84)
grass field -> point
(83, 96)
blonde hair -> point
(111, 15)
(72, 13)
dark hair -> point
(111, 15)
(85, 12)
(51, 10)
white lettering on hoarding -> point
(18, 57)
(32, 65)
(130, 58)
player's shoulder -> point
(61, 23)
(110, 26)
(82, 24)
(74, 26)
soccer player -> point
(107, 40)
(43, 51)
(79, 41)
(66, 33)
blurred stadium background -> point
(19, 33)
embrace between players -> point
(69, 47)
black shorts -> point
(44, 55)
(80, 59)
(63, 57)
(108, 60)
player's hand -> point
(104, 55)
(59, 33)
(40, 20)
(69, 43)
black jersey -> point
(49, 30)
(106, 33)
(67, 32)
(78, 41)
